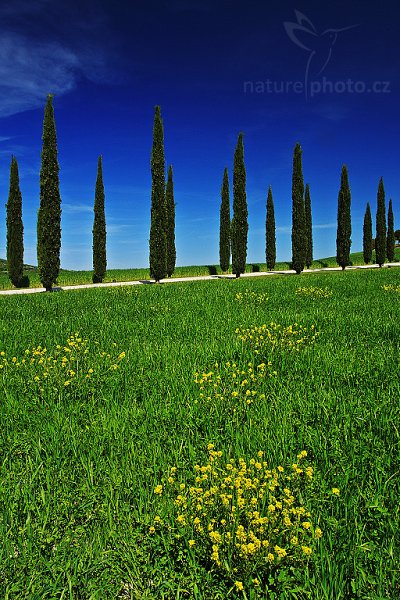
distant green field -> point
(92, 431)
(81, 277)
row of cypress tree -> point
(384, 243)
(233, 234)
(302, 242)
(49, 215)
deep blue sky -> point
(109, 63)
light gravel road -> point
(174, 279)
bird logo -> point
(319, 45)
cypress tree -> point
(367, 235)
(239, 222)
(170, 207)
(49, 215)
(99, 228)
(308, 224)
(380, 240)
(15, 228)
(158, 234)
(270, 237)
(343, 241)
(397, 236)
(224, 225)
(298, 214)
(390, 242)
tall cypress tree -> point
(225, 225)
(170, 207)
(49, 214)
(343, 241)
(391, 241)
(308, 223)
(298, 214)
(270, 235)
(158, 234)
(239, 222)
(367, 235)
(380, 240)
(15, 228)
(99, 228)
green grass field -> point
(92, 431)
(81, 277)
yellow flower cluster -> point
(276, 337)
(232, 383)
(251, 297)
(314, 292)
(243, 515)
(391, 288)
(67, 365)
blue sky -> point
(216, 68)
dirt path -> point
(200, 278)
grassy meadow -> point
(83, 277)
(206, 440)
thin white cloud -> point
(44, 48)
(201, 220)
(116, 228)
(29, 70)
(288, 228)
(76, 208)
(325, 226)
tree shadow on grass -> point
(24, 282)
(320, 263)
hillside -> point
(69, 277)
(3, 266)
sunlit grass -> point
(80, 463)
(66, 277)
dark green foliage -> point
(298, 214)
(170, 222)
(397, 235)
(308, 221)
(380, 240)
(239, 222)
(367, 236)
(49, 214)
(270, 236)
(390, 240)
(99, 228)
(15, 228)
(225, 225)
(343, 238)
(158, 234)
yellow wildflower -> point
(318, 533)
(239, 586)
